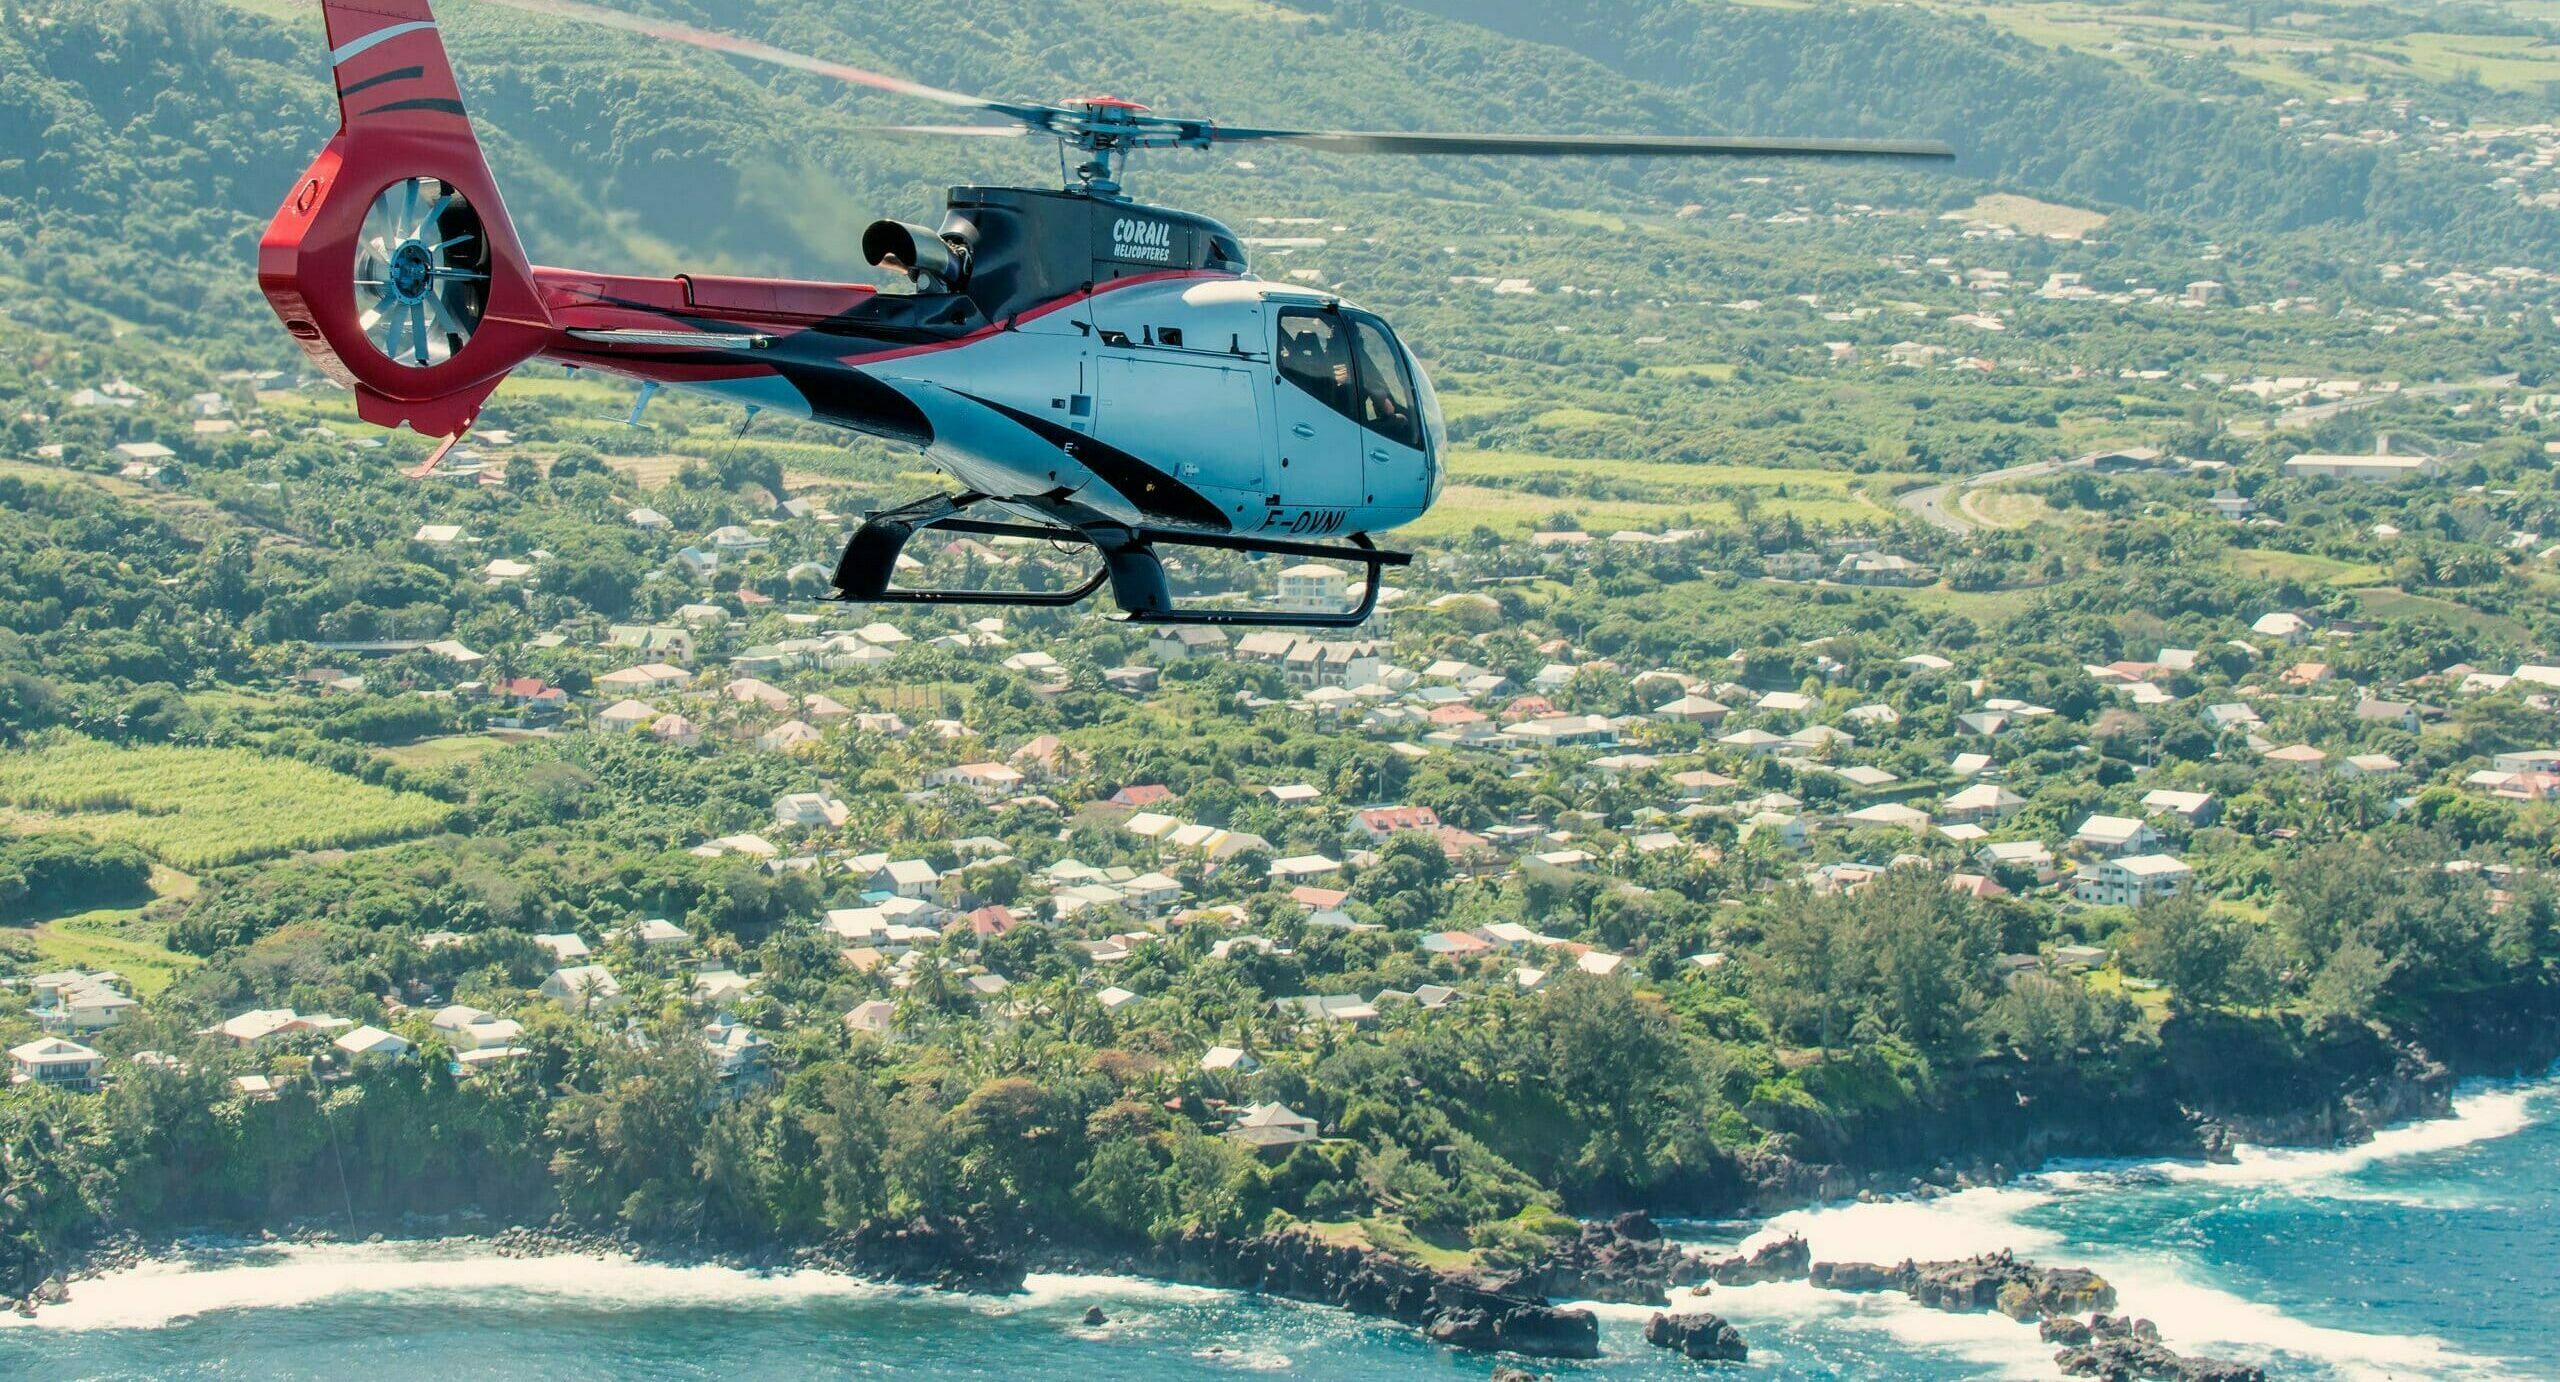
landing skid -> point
(1129, 564)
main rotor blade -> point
(1584, 145)
(960, 131)
(676, 32)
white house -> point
(55, 1062)
(2131, 881)
(372, 1043)
(812, 810)
(1312, 588)
(2116, 835)
(906, 877)
(1220, 1059)
(582, 988)
(1983, 801)
(2195, 808)
(656, 933)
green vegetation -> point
(199, 808)
(245, 667)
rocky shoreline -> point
(2340, 1091)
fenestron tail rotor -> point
(421, 272)
(1106, 129)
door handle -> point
(1380, 457)
(1303, 430)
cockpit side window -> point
(1386, 391)
(1315, 355)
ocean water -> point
(2426, 1253)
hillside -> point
(156, 136)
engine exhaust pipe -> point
(922, 255)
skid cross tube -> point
(1129, 564)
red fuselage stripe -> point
(568, 311)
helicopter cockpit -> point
(1352, 363)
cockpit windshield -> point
(1351, 363)
(1386, 392)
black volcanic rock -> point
(1449, 1308)
(1787, 1259)
(1859, 1276)
(1624, 1261)
(1700, 1337)
(938, 1252)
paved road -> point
(1935, 505)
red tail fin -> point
(392, 260)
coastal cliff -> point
(2211, 1082)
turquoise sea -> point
(2427, 1253)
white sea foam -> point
(2481, 1116)
(1995, 1344)
(2194, 1314)
(1046, 1289)
(157, 1294)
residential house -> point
(2195, 808)
(2131, 881)
(1694, 709)
(643, 679)
(2400, 715)
(1982, 802)
(2229, 716)
(1173, 643)
(2284, 626)
(665, 642)
(258, 1024)
(1219, 1060)
(1881, 569)
(55, 1062)
(1272, 1128)
(910, 878)
(1313, 588)
(1381, 822)
(566, 947)
(582, 988)
(2026, 856)
(468, 1028)
(627, 717)
(370, 1043)
(655, 933)
(791, 736)
(79, 1000)
(985, 781)
(809, 810)
(2115, 835)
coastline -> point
(2389, 1083)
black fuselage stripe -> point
(1150, 488)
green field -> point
(1719, 373)
(120, 941)
(2300, 566)
(2391, 602)
(445, 752)
(1518, 492)
(200, 808)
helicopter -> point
(1087, 369)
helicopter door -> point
(1314, 385)
(1395, 465)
